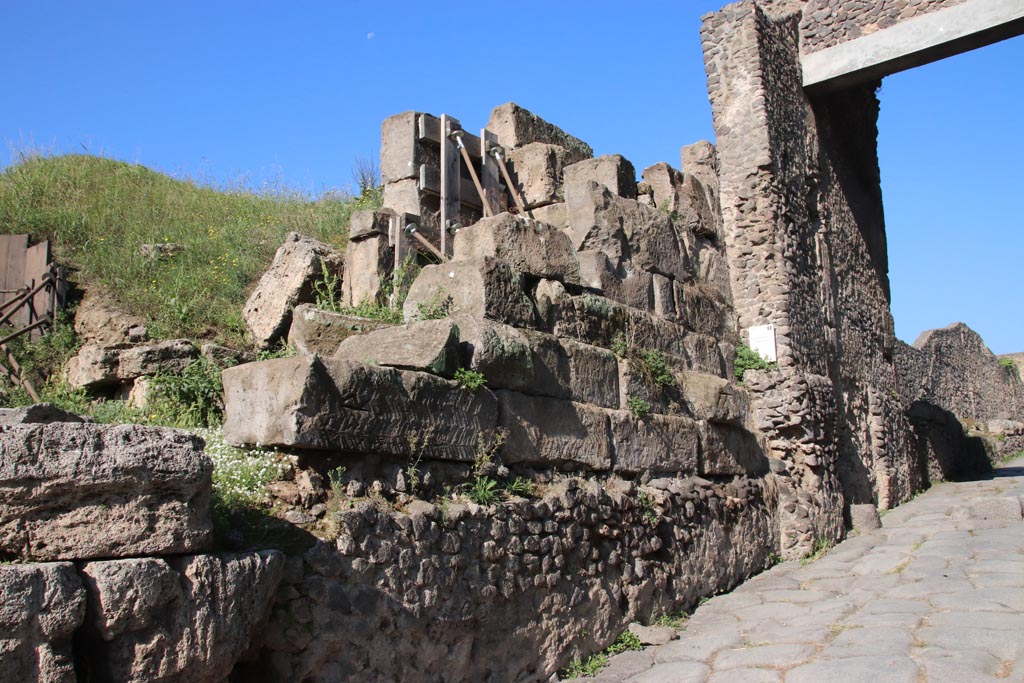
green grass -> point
(748, 359)
(98, 212)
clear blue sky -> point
(291, 93)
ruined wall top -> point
(827, 23)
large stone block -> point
(537, 170)
(526, 245)
(99, 366)
(627, 231)
(700, 160)
(632, 287)
(539, 363)
(429, 345)
(726, 450)
(695, 211)
(713, 398)
(516, 127)
(298, 263)
(702, 308)
(315, 330)
(484, 287)
(336, 405)
(366, 223)
(657, 444)
(664, 182)
(600, 321)
(42, 606)
(613, 171)
(401, 151)
(552, 432)
(80, 491)
(552, 214)
(183, 620)
(369, 263)
(403, 197)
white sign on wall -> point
(762, 341)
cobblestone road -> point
(936, 594)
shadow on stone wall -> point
(946, 452)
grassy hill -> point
(99, 212)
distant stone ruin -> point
(589, 400)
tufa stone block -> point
(552, 432)
(526, 245)
(430, 346)
(613, 171)
(97, 366)
(368, 264)
(367, 223)
(288, 282)
(516, 127)
(657, 444)
(80, 491)
(482, 287)
(314, 403)
(315, 330)
(537, 169)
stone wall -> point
(108, 573)
(827, 23)
(956, 391)
(461, 592)
(802, 214)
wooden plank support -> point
(429, 128)
(18, 376)
(15, 273)
(489, 173)
(37, 268)
(497, 154)
(458, 135)
(17, 306)
(14, 335)
(430, 181)
(6, 293)
(451, 186)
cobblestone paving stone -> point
(935, 595)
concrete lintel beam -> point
(913, 42)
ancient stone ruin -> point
(569, 334)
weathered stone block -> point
(599, 321)
(367, 223)
(658, 444)
(664, 296)
(336, 405)
(401, 153)
(537, 170)
(713, 398)
(702, 309)
(183, 620)
(42, 606)
(552, 214)
(429, 345)
(553, 432)
(318, 331)
(99, 366)
(628, 232)
(369, 262)
(613, 171)
(664, 182)
(527, 246)
(726, 450)
(516, 127)
(539, 363)
(486, 288)
(79, 491)
(297, 264)
(403, 197)
(700, 159)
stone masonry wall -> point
(805, 238)
(827, 23)
(462, 592)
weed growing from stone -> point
(1008, 363)
(240, 475)
(470, 379)
(650, 511)
(640, 408)
(654, 368)
(520, 486)
(674, 620)
(748, 359)
(482, 491)
(579, 668)
(282, 350)
(336, 477)
(438, 307)
(327, 290)
(819, 550)
(626, 641)
(191, 398)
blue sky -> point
(291, 93)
